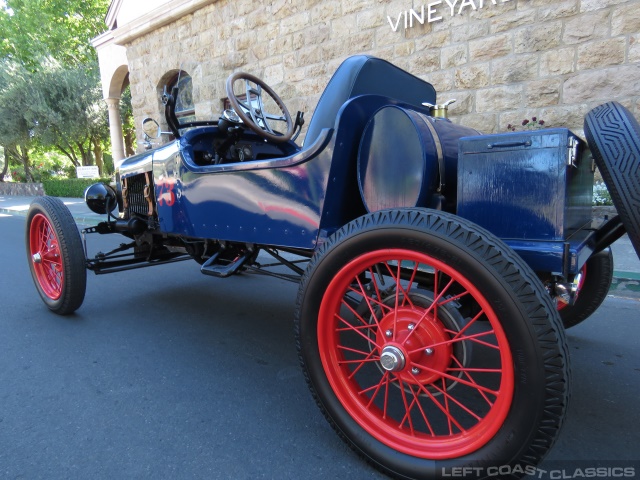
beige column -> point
(115, 128)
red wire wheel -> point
(55, 255)
(46, 258)
(429, 344)
(393, 366)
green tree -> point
(49, 86)
(67, 113)
(32, 31)
(4, 163)
(128, 125)
(16, 135)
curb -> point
(80, 219)
(625, 284)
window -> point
(185, 110)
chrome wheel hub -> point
(392, 359)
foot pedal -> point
(219, 266)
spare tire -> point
(613, 135)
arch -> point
(185, 108)
(119, 80)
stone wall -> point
(21, 189)
(503, 60)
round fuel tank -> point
(409, 159)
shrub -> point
(70, 187)
(601, 195)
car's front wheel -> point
(428, 345)
(55, 255)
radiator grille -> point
(136, 201)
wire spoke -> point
(444, 410)
(456, 379)
(354, 329)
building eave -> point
(163, 15)
(112, 14)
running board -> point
(222, 267)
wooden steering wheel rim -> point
(247, 119)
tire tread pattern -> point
(613, 135)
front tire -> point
(55, 254)
(428, 344)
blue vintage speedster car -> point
(436, 265)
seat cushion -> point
(361, 75)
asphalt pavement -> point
(166, 373)
(626, 282)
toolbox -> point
(534, 185)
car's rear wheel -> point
(55, 254)
(613, 135)
(593, 287)
(428, 345)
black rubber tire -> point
(613, 135)
(525, 310)
(595, 288)
(69, 247)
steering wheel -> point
(252, 111)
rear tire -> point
(55, 254)
(613, 135)
(480, 379)
(597, 275)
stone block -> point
(558, 62)
(351, 6)
(591, 5)
(472, 77)
(514, 68)
(538, 37)
(482, 122)
(326, 11)
(341, 27)
(281, 8)
(558, 10)
(542, 93)
(602, 85)
(463, 105)
(601, 53)
(488, 48)
(634, 48)
(582, 28)
(274, 74)
(316, 34)
(426, 61)
(512, 20)
(234, 60)
(626, 19)
(491, 11)
(568, 116)
(470, 31)
(497, 99)
(370, 18)
(453, 56)
(295, 22)
(404, 49)
(432, 41)
(442, 80)
(309, 55)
